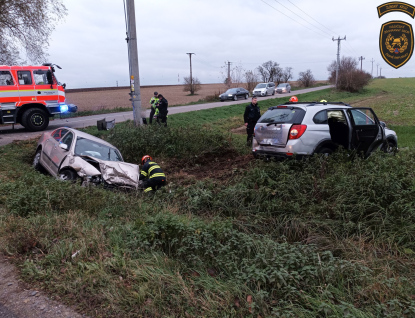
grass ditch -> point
(318, 238)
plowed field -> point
(113, 98)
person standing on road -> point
(162, 108)
(153, 101)
(251, 116)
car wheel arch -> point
(325, 144)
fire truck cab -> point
(29, 95)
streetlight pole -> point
(133, 63)
(191, 78)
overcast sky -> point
(90, 43)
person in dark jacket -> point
(154, 178)
(162, 107)
(251, 116)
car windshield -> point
(282, 85)
(283, 115)
(231, 91)
(87, 147)
(261, 86)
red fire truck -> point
(29, 95)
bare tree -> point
(236, 75)
(287, 74)
(251, 79)
(191, 86)
(27, 25)
(306, 78)
(270, 71)
(350, 78)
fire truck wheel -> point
(35, 119)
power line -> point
(311, 17)
(302, 18)
(292, 19)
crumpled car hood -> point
(113, 172)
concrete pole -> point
(133, 63)
(192, 91)
(338, 56)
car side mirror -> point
(63, 146)
(64, 85)
(383, 124)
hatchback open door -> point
(367, 133)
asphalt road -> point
(8, 134)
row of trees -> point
(350, 77)
(269, 71)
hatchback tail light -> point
(297, 131)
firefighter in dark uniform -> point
(154, 178)
(251, 116)
(162, 108)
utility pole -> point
(361, 58)
(380, 72)
(192, 91)
(229, 74)
(338, 56)
(372, 67)
(133, 63)
(377, 66)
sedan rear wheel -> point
(246, 96)
(36, 161)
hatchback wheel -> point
(325, 151)
(36, 161)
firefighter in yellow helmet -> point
(152, 175)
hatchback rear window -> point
(283, 115)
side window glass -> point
(24, 77)
(362, 117)
(67, 139)
(6, 78)
(320, 118)
(59, 133)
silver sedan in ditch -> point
(70, 154)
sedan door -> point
(58, 154)
(367, 133)
(49, 145)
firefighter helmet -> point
(145, 159)
(294, 99)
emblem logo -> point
(396, 42)
(396, 7)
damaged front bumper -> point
(113, 174)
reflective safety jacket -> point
(151, 170)
(154, 101)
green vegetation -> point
(229, 236)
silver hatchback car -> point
(306, 128)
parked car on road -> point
(283, 88)
(234, 94)
(70, 154)
(306, 128)
(264, 89)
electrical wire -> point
(293, 19)
(303, 18)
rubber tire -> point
(36, 162)
(289, 91)
(246, 96)
(235, 98)
(273, 93)
(325, 151)
(31, 118)
(67, 175)
(389, 147)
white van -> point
(264, 89)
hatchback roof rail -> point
(316, 103)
